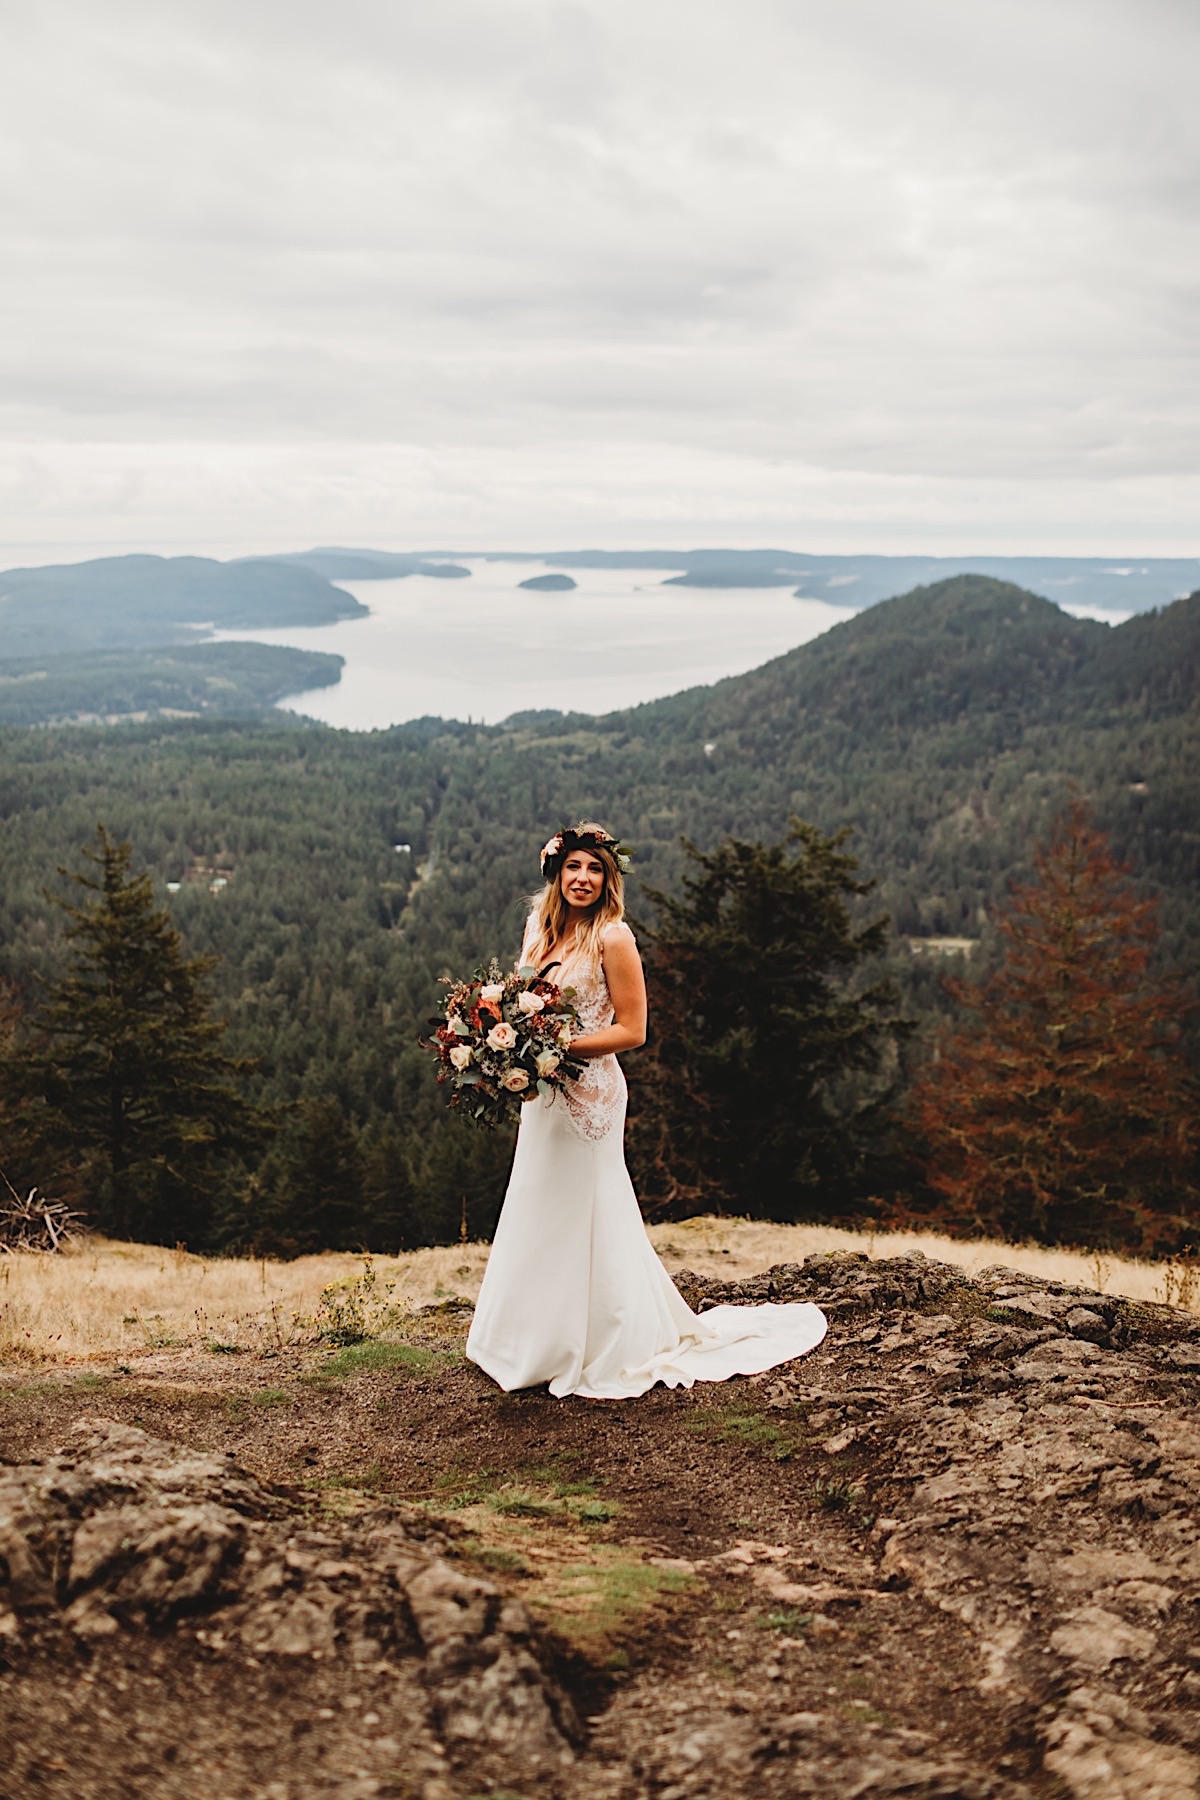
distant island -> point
(338, 564)
(549, 584)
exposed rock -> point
(1034, 1450)
(967, 1567)
(124, 1533)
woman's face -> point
(582, 879)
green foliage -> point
(354, 1309)
(746, 1097)
(834, 1494)
(126, 1070)
(313, 1182)
(735, 1424)
(192, 679)
(369, 1358)
(787, 1619)
(137, 601)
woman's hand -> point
(627, 990)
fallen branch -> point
(35, 1223)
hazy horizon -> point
(39, 555)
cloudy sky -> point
(873, 274)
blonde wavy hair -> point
(550, 913)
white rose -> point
(515, 1080)
(501, 1037)
(546, 1061)
(460, 1055)
(492, 993)
(529, 1002)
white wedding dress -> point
(573, 1293)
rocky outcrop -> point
(122, 1534)
(953, 1555)
(1034, 1450)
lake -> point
(482, 647)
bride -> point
(574, 1294)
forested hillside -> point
(118, 685)
(126, 635)
(945, 727)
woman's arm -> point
(627, 990)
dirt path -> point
(818, 1582)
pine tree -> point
(136, 1091)
(21, 1159)
(761, 1080)
(318, 1181)
(1067, 1113)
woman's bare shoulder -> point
(618, 932)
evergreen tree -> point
(387, 1191)
(1067, 1113)
(21, 1159)
(317, 1202)
(136, 1092)
(761, 1083)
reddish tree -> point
(1067, 1113)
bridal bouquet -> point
(501, 1040)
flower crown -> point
(575, 837)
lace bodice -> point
(596, 1102)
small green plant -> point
(366, 1357)
(788, 1619)
(365, 1480)
(615, 1591)
(523, 1503)
(595, 1512)
(497, 1561)
(156, 1333)
(354, 1309)
(835, 1495)
(738, 1426)
(542, 1493)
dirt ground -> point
(706, 1571)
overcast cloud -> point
(533, 273)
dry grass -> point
(106, 1300)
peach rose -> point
(461, 1055)
(546, 1061)
(530, 1002)
(501, 1037)
(515, 1080)
(492, 994)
